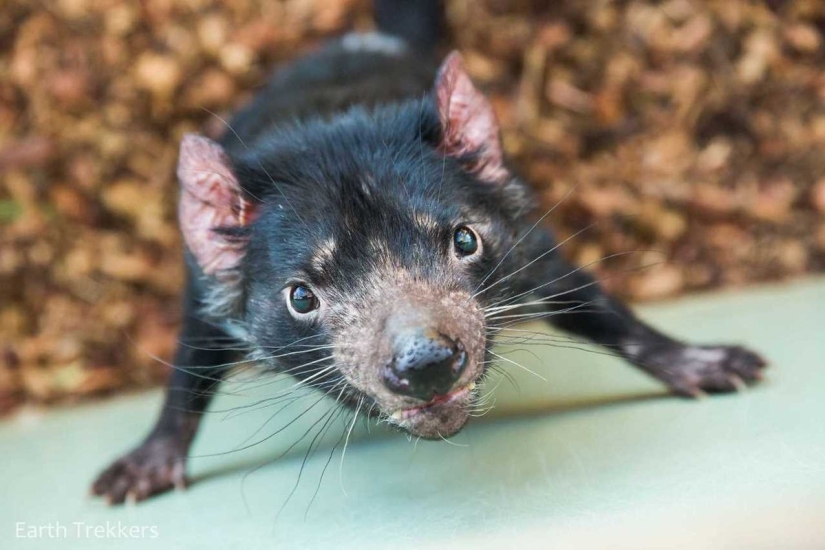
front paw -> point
(158, 465)
(692, 371)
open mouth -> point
(437, 401)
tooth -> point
(397, 415)
(471, 386)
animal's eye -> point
(302, 300)
(465, 241)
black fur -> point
(343, 146)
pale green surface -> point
(579, 461)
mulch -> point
(680, 141)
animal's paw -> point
(158, 465)
(692, 371)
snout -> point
(417, 353)
(425, 364)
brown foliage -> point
(691, 134)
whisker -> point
(278, 457)
(294, 370)
(453, 443)
(543, 314)
(576, 270)
(521, 239)
(308, 453)
(326, 465)
(536, 259)
(517, 364)
(346, 442)
(540, 302)
(270, 436)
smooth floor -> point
(584, 452)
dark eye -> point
(465, 241)
(302, 299)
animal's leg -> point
(159, 462)
(584, 309)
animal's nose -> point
(425, 364)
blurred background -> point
(689, 134)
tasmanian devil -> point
(358, 227)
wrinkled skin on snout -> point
(359, 346)
(453, 313)
(366, 347)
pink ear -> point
(468, 120)
(211, 198)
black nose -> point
(425, 364)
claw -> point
(737, 382)
(694, 370)
(180, 483)
(156, 466)
(698, 394)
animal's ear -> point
(212, 205)
(468, 121)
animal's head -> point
(356, 252)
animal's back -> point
(365, 70)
